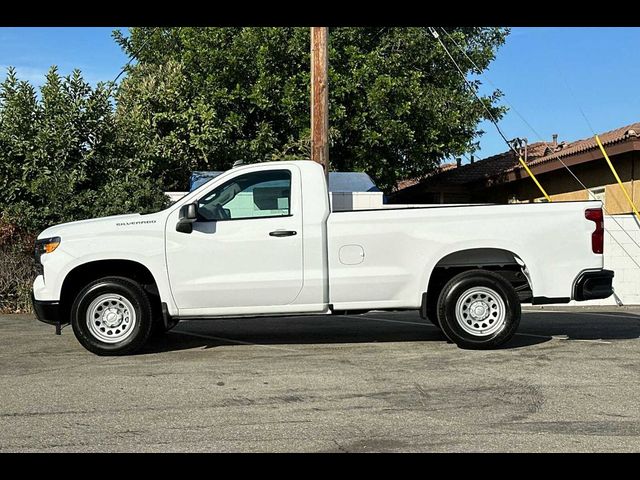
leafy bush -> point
(17, 269)
(61, 156)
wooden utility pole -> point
(319, 97)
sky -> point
(547, 74)
(550, 74)
(32, 50)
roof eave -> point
(629, 145)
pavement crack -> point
(423, 395)
(340, 447)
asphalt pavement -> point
(380, 382)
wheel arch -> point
(502, 261)
(82, 274)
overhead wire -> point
(490, 114)
(134, 55)
(602, 149)
(551, 149)
(599, 143)
(575, 101)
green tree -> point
(203, 98)
(59, 155)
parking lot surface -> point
(568, 381)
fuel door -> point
(351, 254)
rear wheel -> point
(112, 316)
(478, 309)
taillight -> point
(597, 237)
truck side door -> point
(246, 246)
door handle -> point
(282, 233)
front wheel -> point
(478, 309)
(112, 316)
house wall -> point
(561, 186)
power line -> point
(492, 118)
(512, 107)
(576, 103)
(553, 154)
(134, 55)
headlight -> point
(46, 245)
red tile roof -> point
(579, 146)
(410, 182)
(537, 154)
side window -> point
(256, 194)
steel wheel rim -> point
(480, 311)
(111, 318)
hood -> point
(96, 225)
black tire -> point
(123, 288)
(463, 285)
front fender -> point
(60, 263)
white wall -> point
(341, 201)
(175, 196)
(626, 282)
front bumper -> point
(593, 285)
(46, 311)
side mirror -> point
(188, 215)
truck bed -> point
(400, 245)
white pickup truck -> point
(260, 240)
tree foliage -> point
(60, 154)
(203, 98)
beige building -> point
(501, 178)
